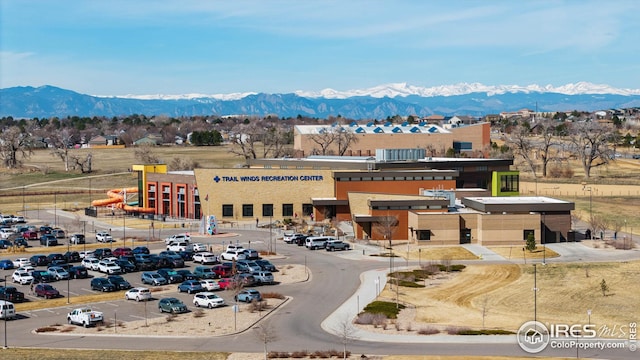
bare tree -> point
(266, 333)
(144, 154)
(591, 141)
(546, 129)
(324, 138)
(246, 139)
(347, 334)
(60, 142)
(484, 307)
(345, 137)
(14, 141)
(275, 140)
(83, 163)
(522, 144)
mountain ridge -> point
(400, 99)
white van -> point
(7, 310)
(317, 242)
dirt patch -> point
(515, 252)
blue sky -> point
(120, 47)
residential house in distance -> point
(99, 141)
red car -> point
(30, 235)
(122, 251)
(46, 291)
(228, 283)
(222, 271)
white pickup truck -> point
(85, 317)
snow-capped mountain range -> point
(378, 102)
(403, 90)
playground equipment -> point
(118, 199)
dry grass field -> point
(566, 292)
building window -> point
(509, 183)
(526, 233)
(423, 235)
(287, 209)
(307, 209)
(227, 210)
(267, 210)
(482, 168)
(182, 204)
(247, 210)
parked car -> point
(171, 275)
(19, 262)
(204, 272)
(30, 235)
(333, 245)
(140, 250)
(58, 233)
(72, 256)
(246, 279)
(126, 266)
(233, 255)
(177, 246)
(138, 294)
(234, 247)
(198, 247)
(20, 242)
(77, 239)
(58, 272)
(85, 317)
(187, 274)
(122, 251)
(108, 267)
(317, 242)
(288, 237)
(178, 238)
(46, 291)
(172, 305)
(190, 286)
(56, 257)
(78, 272)
(10, 293)
(90, 263)
(39, 260)
(102, 253)
(153, 278)
(119, 282)
(5, 232)
(248, 295)
(7, 310)
(85, 253)
(209, 284)
(205, 258)
(6, 264)
(102, 284)
(263, 277)
(228, 283)
(250, 266)
(186, 255)
(173, 258)
(104, 237)
(45, 229)
(222, 271)
(48, 240)
(207, 299)
(143, 262)
(251, 254)
(266, 265)
(22, 277)
(42, 276)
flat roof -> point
(518, 204)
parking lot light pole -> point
(588, 188)
(69, 275)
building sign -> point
(268, 178)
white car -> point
(90, 263)
(22, 277)
(233, 255)
(199, 247)
(85, 254)
(138, 294)
(108, 267)
(207, 299)
(205, 258)
(20, 262)
(177, 246)
(178, 238)
(234, 247)
(103, 236)
(210, 285)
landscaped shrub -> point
(46, 329)
(410, 284)
(454, 330)
(428, 330)
(198, 313)
(365, 318)
(272, 295)
(379, 320)
(389, 309)
(299, 354)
